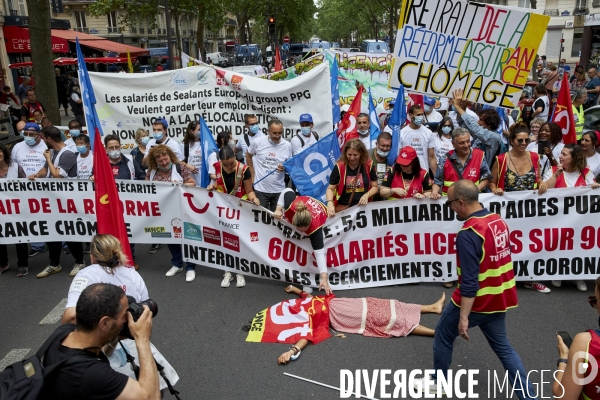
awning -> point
(73, 61)
(108, 45)
(17, 41)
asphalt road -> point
(198, 329)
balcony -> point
(14, 12)
(82, 30)
(552, 12)
(580, 11)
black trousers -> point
(22, 255)
(55, 248)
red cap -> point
(406, 155)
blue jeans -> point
(177, 258)
(493, 327)
(38, 246)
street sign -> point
(236, 40)
(286, 47)
(286, 39)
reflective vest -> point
(238, 189)
(37, 106)
(315, 207)
(415, 186)
(590, 390)
(561, 182)
(580, 121)
(503, 166)
(341, 187)
(497, 291)
(472, 170)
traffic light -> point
(272, 25)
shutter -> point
(553, 45)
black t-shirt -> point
(362, 186)
(407, 177)
(90, 380)
(229, 178)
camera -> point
(136, 309)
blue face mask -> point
(158, 135)
(418, 120)
(382, 153)
(75, 132)
(82, 149)
(426, 108)
(167, 168)
(305, 130)
(254, 129)
(145, 140)
(30, 141)
(446, 129)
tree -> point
(41, 55)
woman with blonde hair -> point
(308, 215)
(353, 180)
(142, 137)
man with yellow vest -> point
(486, 289)
(579, 96)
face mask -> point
(446, 129)
(427, 108)
(167, 168)
(145, 140)
(305, 130)
(363, 133)
(81, 149)
(158, 135)
(30, 141)
(114, 154)
(418, 120)
(75, 132)
(382, 153)
(254, 129)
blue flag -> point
(375, 129)
(397, 119)
(88, 98)
(335, 92)
(310, 170)
(208, 147)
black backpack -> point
(315, 134)
(24, 379)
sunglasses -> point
(593, 301)
(524, 140)
(448, 202)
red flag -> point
(109, 210)
(278, 66)
(347, 129)
(563, 113)
(413, 99)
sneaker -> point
(537, 286)
(226, 279)
(2, 269)
(307, 289)
(86, 249)
(190, 276)
(154, 248)
(22, 272)
(76, 269)
(35, 252)
(50, 270)
(556, 283)
(241, 282)
(448, 285)
(419, 386)
(581, 286)
(174, 270)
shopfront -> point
(590, 48)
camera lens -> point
(151, 305)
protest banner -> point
(222, 97)
(486, 50)
(49, 210)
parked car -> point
(592, 119)
(247, 54)
(218, 59)
(297, 51)
(374, 46)
(252, 70)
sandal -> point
(22, 271)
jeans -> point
(493, 327)
(55, 248)
(22, 255)
(267, 200)
(177, 257)
(38, 246)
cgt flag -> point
(348, 130)
(109, 209)
(374, 121)
(278, 66)
(208, 147)
(310, 170)
(563, 113)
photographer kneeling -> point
(101, 314)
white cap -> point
(345, 108)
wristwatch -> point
(561, 360)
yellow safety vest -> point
(580, 121)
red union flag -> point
(563, 113)
(347, 129)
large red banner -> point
(17, 41)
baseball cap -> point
(161, 121)
(429, 100)
(32, 126)
(345, 108)
(406, 155)
(391, 103)
(306, 118)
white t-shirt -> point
(30, 158)
(297, 147)
(454, 116)
(241, 142)
(533, 147)
(195, 159)
(421, 140)
(366, 140)
(434, 116)
(126, 278)
(212, 160)
(570, 177)
(544, 114)
(265, 158)
(85, 166)
(171, 143)
(442, 146)
(594, 164)
(70, 143)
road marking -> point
(12, 357)
(56, 314)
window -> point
(80, 22)
(22, 7)
(577, 40)
(581, 3)
(524, 4)
(113, 27)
